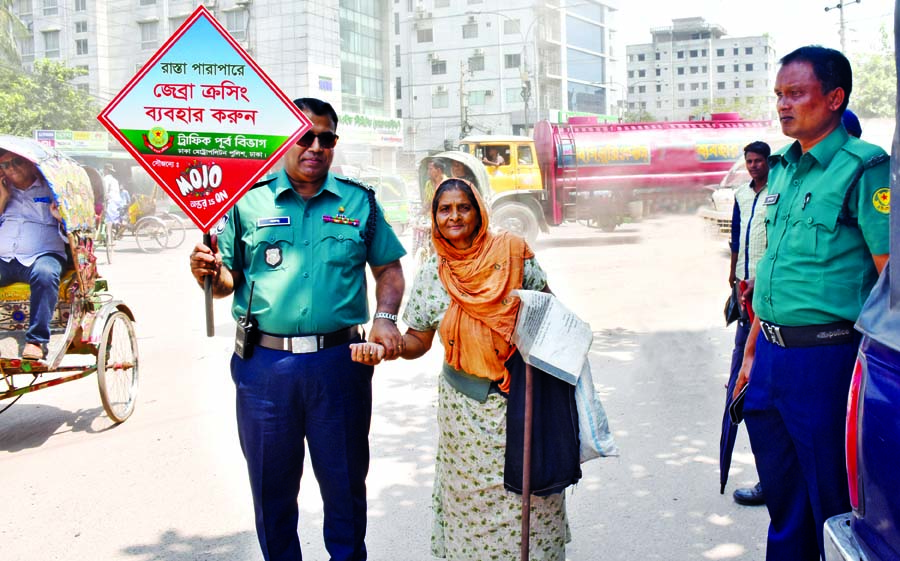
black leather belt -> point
(837, 333)
(309, 343)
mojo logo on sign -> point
(203, 119)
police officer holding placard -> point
(828, 233)
(293, 251)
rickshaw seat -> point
(21, 291)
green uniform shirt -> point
(815, 269)
(309, 273)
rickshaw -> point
(90, 330)
(420, 219)
(153, 230)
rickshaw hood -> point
(68, 181)
(475, 167)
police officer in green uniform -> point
(293, 252)
(827, 225)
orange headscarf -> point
(478, 326)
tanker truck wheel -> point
(605, 223)
(517, 219)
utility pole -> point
(840, 7)
(526, 90)
(464, 127)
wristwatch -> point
(385, 315)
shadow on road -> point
(664, 394)
(30, 426)
(597, 240)
(173, 546)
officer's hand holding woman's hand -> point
(367, 353)
(385, 333)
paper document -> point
(550, 336)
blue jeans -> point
(43, 278)
(325, 399)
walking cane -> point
(526, 465)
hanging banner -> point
(203, 119)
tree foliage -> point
(11, 28)
(44, 99)
(875, 82)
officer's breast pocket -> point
(812, 228)
(341, 246)
(270, 247)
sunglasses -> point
(327, 139)
(15, 162)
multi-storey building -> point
(463, 66)
(692, 69)
(335, 50)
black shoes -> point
(751, 496)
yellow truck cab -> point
(515, 180)
(517, 166)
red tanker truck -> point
(588, 171)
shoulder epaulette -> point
(778, 155)
(869, 154)
(369, 233)
(354, 181)
(263, 182)
(876, 160)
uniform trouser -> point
(795, 411)
(43, 278)
(326, 399)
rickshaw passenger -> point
(32, 245)
(460, 171)
(437, 173)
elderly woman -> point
(463, 292)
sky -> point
(791, 23)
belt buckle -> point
(303, 345)
(773, 334)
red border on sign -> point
(103, 117)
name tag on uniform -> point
(42, 200)
(771, 199)
(274, 221)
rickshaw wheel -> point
(117, 367)
(151, 234)
(177, 229)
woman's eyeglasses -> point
(17, 162)
(327, 139)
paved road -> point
(169, 484)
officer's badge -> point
(881, 200)
(220, 225)
(273, 256)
